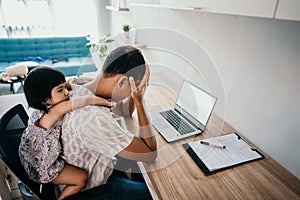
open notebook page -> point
(237, 151)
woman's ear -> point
(123, 80)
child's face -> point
(58, 94)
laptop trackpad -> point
(165, 129)
(160, 124)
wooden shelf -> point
(248, 9)
(168, 7)
(113, 8)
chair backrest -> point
(12, 125)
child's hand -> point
(103, 102)
(68, 84)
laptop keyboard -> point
(177, 122)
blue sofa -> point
(70, 52)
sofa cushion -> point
(19, 48)
(15, 50)
(17, 70)
(74, 66)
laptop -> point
(189, 116)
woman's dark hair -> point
(38, 85)
(125, 60)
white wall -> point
(259, 62)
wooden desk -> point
(174, 175)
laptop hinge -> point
(190, 119)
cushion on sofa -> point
(17, 70)
(78, 58)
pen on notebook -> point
(213, 145)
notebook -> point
(189, 116)
(221, 152)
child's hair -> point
(125, 60)
(38, 85)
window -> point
(36, 18)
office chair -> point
(12, 125)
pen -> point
(213, 145)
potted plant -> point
(126, 29)
(100, 45)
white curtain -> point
(35, 18)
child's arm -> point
(124, 107)
(58, 110)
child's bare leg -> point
(74, 179)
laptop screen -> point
(196, 102)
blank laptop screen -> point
(196, 102)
